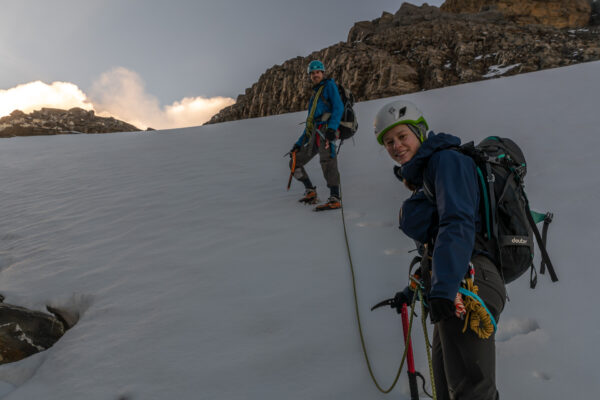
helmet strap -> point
(418, 130)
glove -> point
(399, 300)
(440, 309)
(295, 147)
(330, 134)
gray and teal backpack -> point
(509, 223)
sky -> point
(155, 62)
(196, 275)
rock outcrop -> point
(419, 48)
(595, 18)
(556, 13)
(24, 332)
(53, 121)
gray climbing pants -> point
(464, 365)
(326, 158)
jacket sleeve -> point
(457, 201)
(337, 107)
(300, 140)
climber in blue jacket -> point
(325, 110)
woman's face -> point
(401, 143)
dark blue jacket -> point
(451, 220)
(328, 102)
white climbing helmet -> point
(400, 112)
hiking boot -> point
(333, 203)
(310, 196)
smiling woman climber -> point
(442, 216)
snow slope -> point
(199, 277)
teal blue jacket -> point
(328, 102)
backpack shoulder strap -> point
(485, 184)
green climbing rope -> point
(410, 324)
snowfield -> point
(197, 276)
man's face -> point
(316, 77)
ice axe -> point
(410, 360)
(293, 155)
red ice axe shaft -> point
(410, 360)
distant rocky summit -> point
(557, 13)
(53, 121)
(421, 48)
(595, 19)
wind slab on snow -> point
(198, 276)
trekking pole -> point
(410, 361)
(293, 155)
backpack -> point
(509, 224)
(348, 122)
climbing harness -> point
(408, 329)
(468, 305)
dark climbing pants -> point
(327, 160)
(464, 365)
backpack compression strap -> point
(542, 245)
(547, 219)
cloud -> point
(118, 93)
(197, 110)
(35, 95)
(122, 94)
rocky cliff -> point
(421, 48)
(595, 19)
(53, 121)
(556, 13)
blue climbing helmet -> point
(315, 65)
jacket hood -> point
(412, 171)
